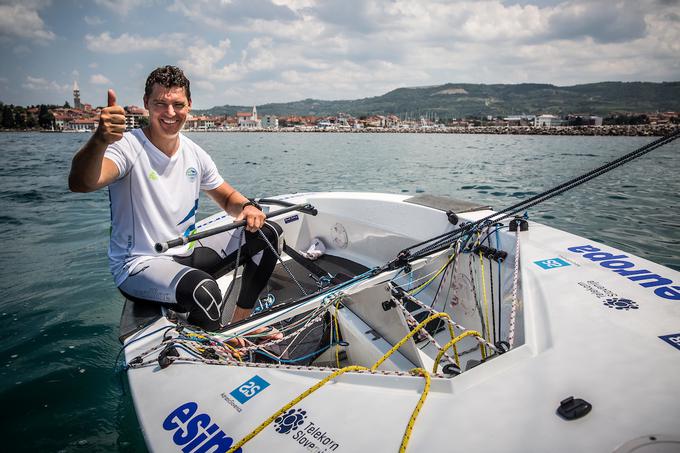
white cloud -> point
(40, 84)
(254, 51)
(100, 79)
(23, 21)
(126, 43)
(202, 61)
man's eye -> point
(178, 106)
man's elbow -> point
(78, 185)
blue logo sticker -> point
(551, 263)
(191, 173)
(621, 304)
(244, 392)
(672, 339)
(290, 421)
(292, 218)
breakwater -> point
(612, 131)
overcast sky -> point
(251, 52)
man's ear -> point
(146, 102)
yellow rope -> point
(413, 332)
(236, 354)
(409, 426)
(416, 411)
(302, 396)
(437, 274)
(486, 302)
(453, 342)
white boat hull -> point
(587, 326)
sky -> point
(252, 52)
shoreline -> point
(645, 130)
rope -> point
(290, 274)
(484, 298)
(500, 284)
(449, 320)
(515, 285)
(295, 400)
(337, 332)
(416, 411)
(409, 317)
(453, 343)
(473, 284)
(406, 338)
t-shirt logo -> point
(191, 173)
(153, 176)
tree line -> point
(18, 117)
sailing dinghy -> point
(423, 324)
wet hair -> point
(168, 77)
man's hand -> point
(111, 121)
(254, 218)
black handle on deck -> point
(161, 247)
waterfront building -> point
(199, 123)
(548, 121)
(83, 124)
(520, 120)
(133, 115)
(249, 120)
(270, 122)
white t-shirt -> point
(154, 199)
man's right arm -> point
(90, 170)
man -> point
(154, 176)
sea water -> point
(60, 310)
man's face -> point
(168, 109)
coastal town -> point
(83, 117)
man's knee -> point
(199, 294)
(273, 233)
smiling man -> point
(155, 176)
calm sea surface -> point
(60, 309)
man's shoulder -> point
(131, 139)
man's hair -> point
(168, 77)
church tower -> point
(76, 96)
(254, 115)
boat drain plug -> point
(571, 408)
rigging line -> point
(493, 303)
(515, 287)
(597, 171)
(500, 284)
(484, 298)
(276, 253)
(473, 289)
(525, 204)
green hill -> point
(465, 100)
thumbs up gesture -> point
(111, 121)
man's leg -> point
(259, 260)
(162, 279)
